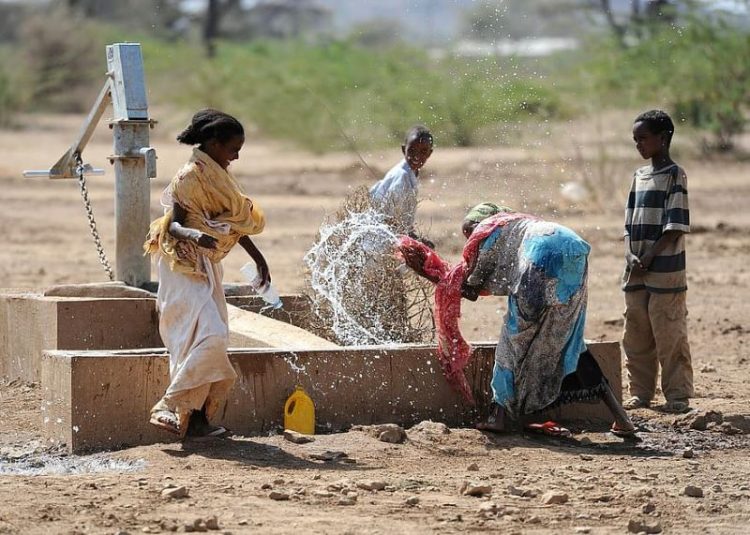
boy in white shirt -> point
(396, 194)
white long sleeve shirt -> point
(396, 195)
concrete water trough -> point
(102, 367)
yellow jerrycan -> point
(299, 412)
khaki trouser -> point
(656, 332)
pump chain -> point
(90, 215)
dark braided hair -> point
(210, 124)
(418, 133)
(657, 122)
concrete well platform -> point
(95, 400)
(31, 323)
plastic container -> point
(267, 292)
(299, 412)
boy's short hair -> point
(418, 133)
(657, 122)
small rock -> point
(372, 485)
(329, 456)
(554, 497)
(739, 421)
(322, 493)
(489, 508)
(693, 491)
(648, 508)
(534, 519)
(175, 493)
(729, 429)
(412, 500)
(639, 526)
(688, 453)
(266, 486)
(278, 495)
(349, 499)
(196, 525)
(167, 525)
(475, 489)
(744, 487)
(582, 529)
(212, 523)
(431, 428)
(297, 438)
(715, 417)
(391, 433)
(524, 493)
(473, 467)
(338, 486)
(716, 488)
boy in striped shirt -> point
(654, 282)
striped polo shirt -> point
(658, 202)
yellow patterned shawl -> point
(215, 205)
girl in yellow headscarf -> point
(206, 214)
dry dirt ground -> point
(611, 486)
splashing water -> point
(343, 265)
(292, 361)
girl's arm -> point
(258, 258)
(181, 232)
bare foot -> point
(495, 422)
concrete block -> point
(297, 309)
(31, 323)
(248, 329)
(101, 399)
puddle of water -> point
(46, 464)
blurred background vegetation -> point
(324, 74)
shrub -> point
(698, 70)
(62, 61)
(318, 96)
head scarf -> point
(482, 211)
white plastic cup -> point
(267, 292)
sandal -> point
(166, 420)
(550, 429)
(622, 433)
(676, 406)
(636, 402)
